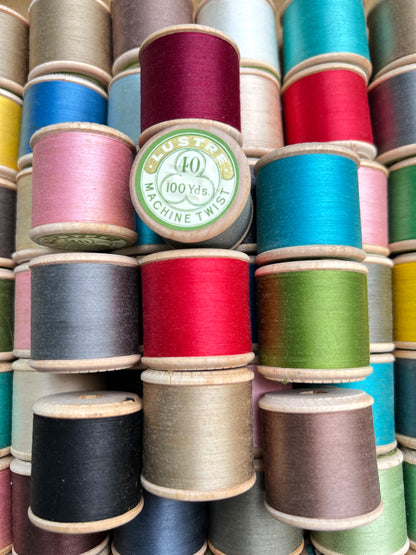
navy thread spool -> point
(6, 388)
(7, 222)
(124, 103)
(404, 390)
(249, 243)
(242, 526)
(6, 314)
(96, 437)
(308, 204)
(164, 525)
(58, 98)
(85, 312)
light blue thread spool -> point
(6, 389)
(324, 31)
(308, 204)
(58, 98)
(124, 103)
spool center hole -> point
(313, 392)
(87, 396)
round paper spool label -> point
(83, 241)
(186, 180)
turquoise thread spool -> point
(6, 388)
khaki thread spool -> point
(21, 335)
(73, 36)
(261, 111)
(100, 434)
(320, 458)
(7, 222)
(313, 321)
(85, 312)
(6, 537)
(6, 314)
(14, 33)
(10, 118)
(404, 301)
(28, 387)
(194, 455)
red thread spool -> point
(328, 103)
(189, 71)
(21, 337)
(196, 311)
(6, 537)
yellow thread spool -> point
(404, 301)
(10, 116)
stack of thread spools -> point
(391, 96)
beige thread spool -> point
(14, 35)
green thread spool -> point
(402, 206)
(387, 534)
(6, 387)
(313, 321)
(409, 478)
(6, 314)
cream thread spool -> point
(14, 46)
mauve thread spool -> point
(133, 21)
(191, 185)
(6, 388)
(14, 46)
(372, 182)
(28, 387)
(10, 118)
(85, 312)
(124, 103)
(96, 436)
(7, 222)
(6, 536)
(72, 37)
(87, 205)
(328, 103)
(404, 391)
(21, 335)
(204, 324)
(320, 458)
(261, 111)
(194, 455)
(241, 525)
(164, 525)
(199, 61)
(6, 314)
(31, 540)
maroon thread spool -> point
(189, 72)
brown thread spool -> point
(14, 34)
(70, 36)
(194, 455)
(320, 458)
(6, 536)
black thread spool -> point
(85, 312)
(7, 221)
(86, 461)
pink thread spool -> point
(21, 337)
(81, 197)
(5, 506)
(372, 183)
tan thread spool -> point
(192, 454)
(70, 36)
(14, 35)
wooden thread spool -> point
(328, 103)
(249, 242)
(323, 33)
(6, 536)
(191, 185)
(100, 433)
(164, 525)
(317, 184)
(72, 37)
(254, 531)
(21, 336)
(183, 458)
(409, 465)
(392, 99)
(372, 182)
(124, 103)
(14, 33)
(85, 205)
(204, 324)
(402, 230)
(313, 321)
(388, 533)
(253, 302)
(58, 98)
(171, 61)
(20, 6)
(320, 458)
(6, 386)
(134, 21)
(28, 387)
(85, 310)
(7, 221)
(404, 301)
(404, 388)
(6, 314)
(10, 117)
(261, 111)
(251, 25)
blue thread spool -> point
(308, 204)
(58, 98)
(124, 103)
(405, 397)
(324, 31)
(147, 240)
(6, 388)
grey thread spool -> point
(85, 312)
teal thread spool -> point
(387, 534)
(313, 321)
(405, 397)
(409, 478)
(402, 206)
(124, 103)
(308, 204)
(6, 388)
(324, 31)
(6, 314)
